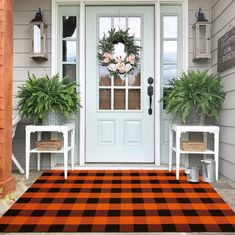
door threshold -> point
(122, 166)
(117, 166)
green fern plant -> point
(194, 90)
(38, 96)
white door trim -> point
(82, 4)
(157, 88)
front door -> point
(119, 128)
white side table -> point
(179, 129)
(65, 130)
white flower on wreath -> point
(128, 67)
(112, 67)
(106, 60)
(121, 67)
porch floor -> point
(226, 191)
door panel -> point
(118, 126)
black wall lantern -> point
(201, 37)
(38, 38)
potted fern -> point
(193, 97)
(48, 100)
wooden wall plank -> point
(227, 169)
(227, 135)
(1, 87)
(227, 118)
(1, 135)
(1, 102)
(225, 152)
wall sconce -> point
(201, 33)
(38, 37)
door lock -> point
(150, 94)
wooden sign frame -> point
(226, 51)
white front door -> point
(118, 125)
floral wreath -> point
(118, 66)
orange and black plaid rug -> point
(118, 201)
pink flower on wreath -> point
(121, 67)
(131, 59)
(107, 55)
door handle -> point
(150, 94)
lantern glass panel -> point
(203, 39)
(37, 38)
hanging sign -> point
(226, 51)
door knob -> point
(150, 94)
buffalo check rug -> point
(118, 201)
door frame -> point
(157, 56)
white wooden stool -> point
(179, 129)
(65, 129)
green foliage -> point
(38, 96)
(194, 90)
(114, 37)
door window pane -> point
(119, 23)
(105, 25)
(134, 80)
(170, 26)
(134, 99)
(70, 71)
(69, 51)
(113, 90)
(105, 99)
(170, 51)
(119, 99)
(69, 26)
(134, 25)
(105, 79)
(118, 81)
(169, 72)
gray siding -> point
(223, 19)
(24, 12)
